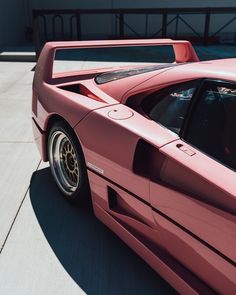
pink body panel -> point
(209, 224)
(176, 210)
(204, 206)
(116, 157)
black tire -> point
(68, 164)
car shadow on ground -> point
(97, 260)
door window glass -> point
(212, 127)
(169, 107)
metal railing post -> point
(121, 25)
(207, 27)
(36, 37)
(164, 24)
(146, 25)
(176, 25)
(78, 24)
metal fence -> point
(65, 24)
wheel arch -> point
(54, 118)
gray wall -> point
(12, 21)
(15, 15)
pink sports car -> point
(153, 147)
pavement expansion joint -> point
(13, 222)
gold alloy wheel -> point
(64, 162)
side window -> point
(212, 127)
(169, 107)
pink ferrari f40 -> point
(152, 146)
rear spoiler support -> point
(183, 50)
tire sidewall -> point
(79, 194)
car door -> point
(194, 197)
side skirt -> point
(172, 271)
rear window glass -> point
(67, 60)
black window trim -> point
(191, 108)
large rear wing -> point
(183, 51)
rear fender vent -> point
(81, 89)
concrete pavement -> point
(47, 245)
(18, 155)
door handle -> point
(185, 149)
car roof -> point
(223, 69)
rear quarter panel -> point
(110, 144)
